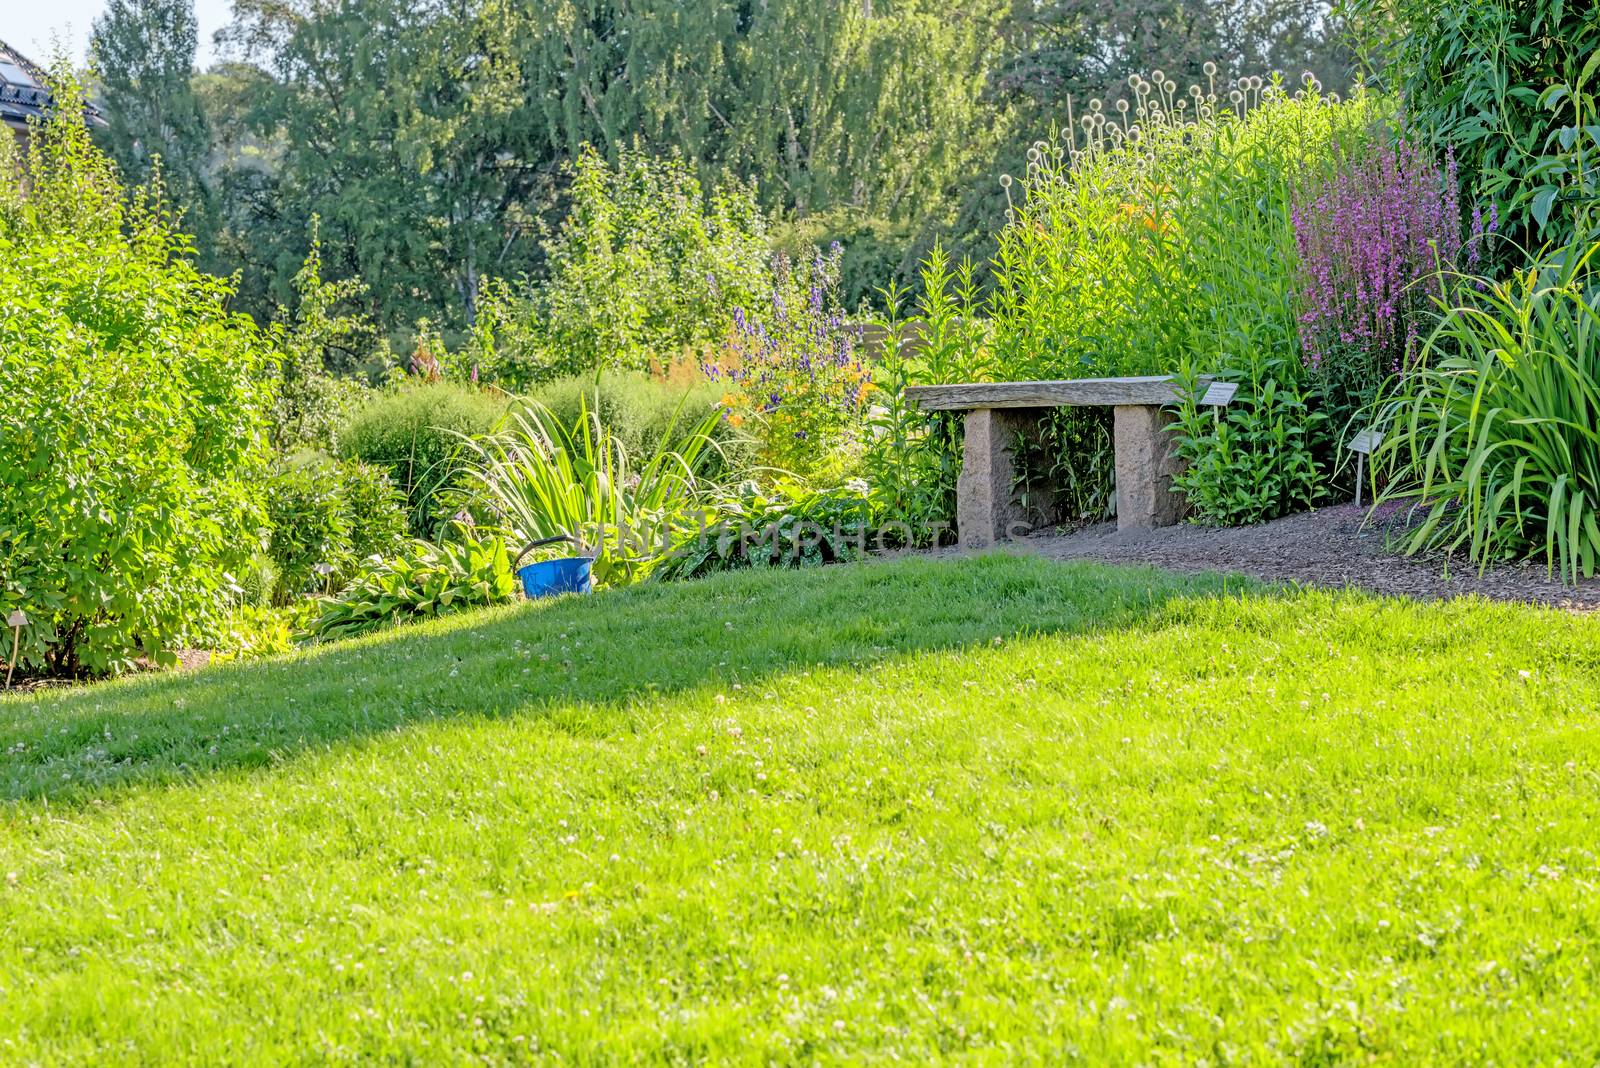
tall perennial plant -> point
(1156, 236)
(795, 374)
(1371, 242)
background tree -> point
(400, 125)
(430, 137)
(434, 137)
(143, 53)
(255, 235)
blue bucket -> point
(569, 574)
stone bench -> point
(998, 412)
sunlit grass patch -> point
(994, 809)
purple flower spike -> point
(1371, 243)
(794, 359)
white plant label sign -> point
(1366, 441)
(1362, 445)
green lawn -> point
(993, 810)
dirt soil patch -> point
(1337, 547)
(188, 660)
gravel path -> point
(1330, 547)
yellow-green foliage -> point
(132, 416)
(1160, 231)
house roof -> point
(24, 94)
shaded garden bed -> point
(1332, 547)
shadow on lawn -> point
(597, 655)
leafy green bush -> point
(1255, 459)
(541, 478)
(414, 433)
(309, 528)
(1497, 437)
(133, 417)
(426, 580)
(326, 516)
(1509, 85)
(644, 271)
(374, 509)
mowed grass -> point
(991, 810)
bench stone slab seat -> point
(998, 413)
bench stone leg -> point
(986, 505)
(1146, 454)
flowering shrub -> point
(1379, 244)
(1371, 241)
(794, 372)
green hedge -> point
(412, 433)
(640, 410)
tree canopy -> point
(433, 138)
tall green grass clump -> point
(1496, 436)
(538, 477)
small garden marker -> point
(1219, 395)
(16, 621)
(1363, 444)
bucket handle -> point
(539, 544)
